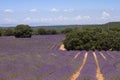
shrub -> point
(51, 31)
(23, 31)
(66, 30)
(8, 32)
(0, 32)
(41, 31)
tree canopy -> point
(23, 31)
(93, 39)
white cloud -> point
(60, 18)
(34, 10)
(105, 15)
(9, 20)
(8, 11)
(68, 10)
(86, 17)
(46, 19)
(28, 19)
(55, 10)
(31, 20)
(78, 18)
(56, 19)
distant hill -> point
(113, 24)
(109, 24)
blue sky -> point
(59, 12)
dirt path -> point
(103, 55)
(99, 75)
(77, 73)
(53, 54)
(76, 55)
(62, 47)
(111, 55)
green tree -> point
(0, 32)
(93, 39)
(51, 31)
(8, 32)
(66, 30)
(41, 31)
(23, 31)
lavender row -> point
(66, 71)
(23, 63)
(111, 57)
(37, 42)
(89, 69)
(109, 71)
(77, 62)
(61, 74)
(37, 74)
(19, 64)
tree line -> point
(23, 31)
(78, 38)
(26, 31)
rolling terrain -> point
(41, 58)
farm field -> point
(40, 58)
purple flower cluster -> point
(107, 67)
(36, 43)
(89, 69)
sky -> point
(58, 12)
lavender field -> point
(40, 58)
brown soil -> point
(62, 47)
(99, 75)
(77, 73)
(76, 55)
(103, 55)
